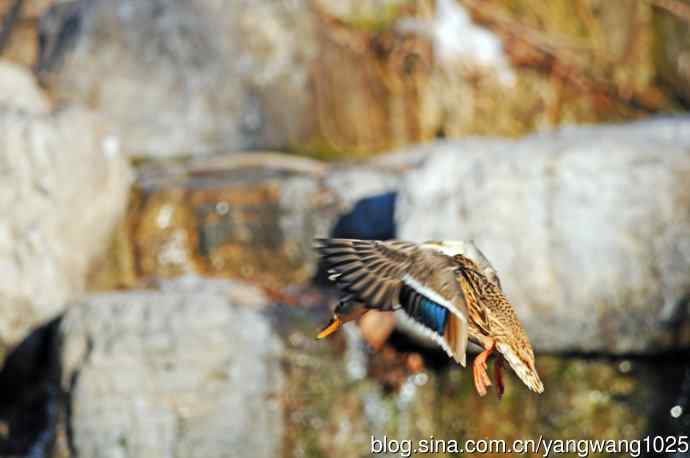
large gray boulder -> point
(192, 370)
(588, 228)
(63, 186)
(180, 77)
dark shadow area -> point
(434, 359)
(29, 395)
(669, 412)
(372, 218)
(59, 29)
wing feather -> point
(373, 272)
(369, 270)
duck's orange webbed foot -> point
(498, 377)
(481, 378)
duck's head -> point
(520, 356)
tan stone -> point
(18, 90)
(63, 188)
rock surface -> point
(339, 395)
(63, 185)
(346, 78)
(589, 229)
(20, 44)
(617, 193)
(19, 90)
(251, 216)
(204, 368)
(673, 46)
(181, 78)
(192, 370)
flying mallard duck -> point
(448, 296)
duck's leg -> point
(498, 376)
(481, 378)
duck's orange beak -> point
(330, 328)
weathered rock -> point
(19, 90)
(589, 229)
(392, 73)
(250, 216)
(342, 79)
(193, 78)
(673, 46)
(244, 216)
(198, 370)
(179, 77)
(62, 188)
(335, 402)
(30, 9)
(20, 29)
(585, 190)
(192, 370)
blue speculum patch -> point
(433, 315)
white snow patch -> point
(457, 40)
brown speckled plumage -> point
(492, 318)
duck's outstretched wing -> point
(369, 270)
(397, 274)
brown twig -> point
(675, 7)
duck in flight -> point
(447, 289)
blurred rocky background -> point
(165, 165)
